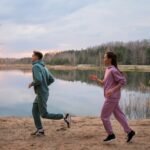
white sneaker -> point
(39, 132)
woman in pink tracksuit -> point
(112, 82)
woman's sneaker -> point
(130, 136)
(110, 138)
(39, 132)
(67, 120)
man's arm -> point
(37, 76)
(50, 79)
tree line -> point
(130, 53)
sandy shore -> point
(85, 134)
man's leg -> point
(42, 104)
(36, 116)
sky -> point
(50, 25)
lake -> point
(72, 92)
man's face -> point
(34, 58)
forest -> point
(129, 53)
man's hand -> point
(93, 77)
(109, 92)
(30, 85)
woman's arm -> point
(114, 89)
(100, 82)
(95, 78)
(119, 79)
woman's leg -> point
(120, 116)
(107, 110)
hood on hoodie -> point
(40, 62)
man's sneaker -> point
(67, 120)
(130, 135)
(109, 138)
(39, 132)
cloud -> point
(68, 24)
(37, 11)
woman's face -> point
(107, 61)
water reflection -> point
(135, 79)
(72, 92)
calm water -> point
(72, 92)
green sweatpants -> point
(40, 109)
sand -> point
(85, 134)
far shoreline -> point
(126, 68)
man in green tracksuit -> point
(42, 78)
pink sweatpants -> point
(109, 108)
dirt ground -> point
(85, 134)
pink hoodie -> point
(112, 78)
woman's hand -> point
(109, 93)
(93, 77)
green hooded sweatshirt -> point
(42, 78)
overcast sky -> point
(46, 25)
